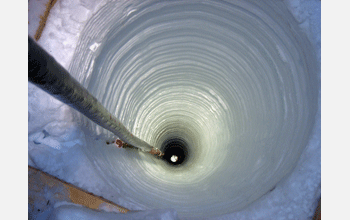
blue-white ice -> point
(56, 141)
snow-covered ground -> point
(55, 141)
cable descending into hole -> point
(46, 73)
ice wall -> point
(237, 81)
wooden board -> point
(43, 187)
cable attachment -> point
(120, 144)
(156, 152)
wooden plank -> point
(39, 183)
(317, 215)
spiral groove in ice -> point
(236, 81)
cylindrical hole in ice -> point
(235, 81)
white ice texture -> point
(242, 101)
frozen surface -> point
(58, 145)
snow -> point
(35, 10)
(308, 14)
(56, 142)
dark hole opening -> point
(175, 151)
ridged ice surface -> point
(236, 81)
